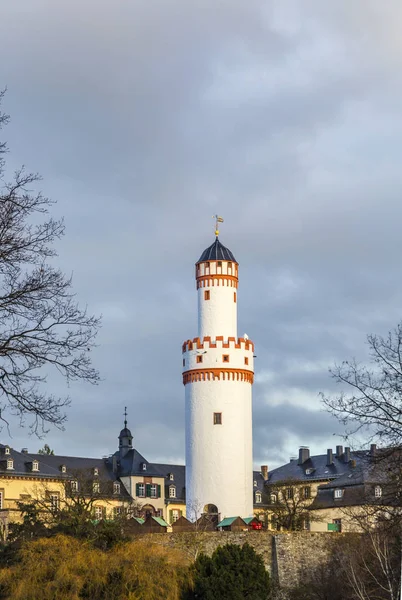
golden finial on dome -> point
(217, 221)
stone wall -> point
(288, 557)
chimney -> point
(339, 451)
(330, 458)
(346, 456)
(264, 472)
(373, 449)
(24, 450)
(304, 454)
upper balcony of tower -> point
(217, 251)
(217, 266)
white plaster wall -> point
(218, 315)
(219, 457)
(212, 357)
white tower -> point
(218, 376)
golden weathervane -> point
(217, 221)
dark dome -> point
(125, 433)
(217, 251)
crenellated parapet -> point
(219, 342)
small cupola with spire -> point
(125, 438)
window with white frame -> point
(258, 498)
(255, 483)
(63, 468)
(98, 512)
(74, 485)
(171, 476)
(35, 465)
(307, 492)
(96, 471)
(7, 450)
(116, 487)
(338, 493)
(141, 490)
(175, 515)
(144, 466)
(10, 463)
(172, 491)
(117, 511)
(153, 490)
(289, 493)
(273, 498)
(96, 487)
(377, 491)
(54, 502)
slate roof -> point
(318, 466)
(217, 251)
(50, 467)
(132, 464)
(179, 480)
(358, 485)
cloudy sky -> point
(144, 119)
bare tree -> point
(41, 325)
(288, 503)
(374, 401)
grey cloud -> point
(144, 121)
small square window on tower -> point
(207, 295)
(217, 418)
(246, 360)
(225, 357)
(199, 358)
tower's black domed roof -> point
(125, 433)
(217, 251)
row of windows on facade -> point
(35, 466)
(339, 492)
(207, 295)
(306, 494)
(74, 487)
(288, 494)
(225, 359)
(148, 490)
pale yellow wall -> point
(130, 485)
(22, 489)
(265, 513)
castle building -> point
(218, 377)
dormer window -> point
(171, 476)
(10, 463)
(377, 491)
(338, 493)
(172, 491)
(63, 469)
(144, 466)
(255, 483)
(309, 471)
(273, 498)
(96, 487)
(96, 471)
(258, 497)
(116, 487)
(35, 465)
(7, 450)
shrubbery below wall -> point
(65, 568)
